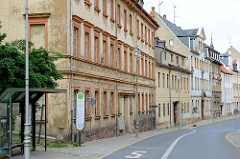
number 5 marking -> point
(136, 154)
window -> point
(131, 61)
(105, 6)
(163, 109)
(143, 102)
(88, 107)
(97, 104)
(75, 103)
(118, 15)
(159, 79)
(168, 108)
(177, 62)
(125, 20)
(96, 43)
(171, 57)
(96, 5)
(142, 62)
(149, 40)
(142, 31)
(165, 55)
(182, 61)
(159, 109)
(112, 103)
(152, 40)
(75, 42)
(146, 102)
(111, 9)
(139, 103)
(167, 81)
(172, 82)
(146, 34)
(112, 53)
(146, 67)
(87, 46)
(163, 80)
(171, 42)
(138, 28)
(125, 61)
(131, 30)
(104, 54)
(105, 106)
(118, 61)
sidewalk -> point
(100, 148)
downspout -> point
(71, 74)
(116, 53)
(170, 96)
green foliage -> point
(42, 70)
(2, 36)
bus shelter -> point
(12, 117)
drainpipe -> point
(71, 78)
(170, 96)
(116, 52)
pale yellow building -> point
(98, 59)
(172, 77)
(233, 66)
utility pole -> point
(27, 130)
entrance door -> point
(202, 110)
(175, 113)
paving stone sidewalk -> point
(100, 148)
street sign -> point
(80, 114)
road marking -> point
(169, 150)
(137, 154)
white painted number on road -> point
(136, 154)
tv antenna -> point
(159, 6)
(174, 14)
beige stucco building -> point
(172, 77)
(233, 66)
(98, 59)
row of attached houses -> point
(176, 72)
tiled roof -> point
(224, 70)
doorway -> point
(175, 113)
(202, 110)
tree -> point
(42, 70)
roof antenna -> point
(174, 14)
(230, 41)
(159, 6)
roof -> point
(178, 30)
(224, 70)
(225, 54)
(18, 94)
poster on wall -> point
(80, 111)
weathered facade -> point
(98, 48)
(172, 77)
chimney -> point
(152, 14)
(140, 2)
(165, 16)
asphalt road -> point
(207, 142)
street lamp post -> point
(137, 55)
(27, 124)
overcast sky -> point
(221, 18)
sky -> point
(219, 18)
